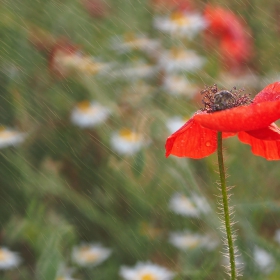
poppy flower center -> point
(217, 100)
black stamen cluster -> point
(215, 100)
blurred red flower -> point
(253, 124)
(232, 34)
(96, 8)
(61, 50)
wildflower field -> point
(90, 90)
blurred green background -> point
(65, 185)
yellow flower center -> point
(84, 105)
(178, 53)
(180, 18)
(66, 59)
(190, 242)
(148, 276)
(88, 255)
(79, 62)
(194, 244)
(187, 202)
(89, 67)
(3, 255)
(129, 135)
(6, 134)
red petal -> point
(267, 149)
(269, 93)
(228, 134)
(215, 17)
(243, 118)
(191, 140)
(270, 133)
(222, 22)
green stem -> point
(226, 207)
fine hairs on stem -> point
(226, 212)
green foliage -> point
(65, 185)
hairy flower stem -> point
(226, 207)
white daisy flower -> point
(136, 70)
(79, 62)
(201, 203)
(130, 41)
(64, 273)
(127, 142)
(10, 137)
(89, 114)
(264, 261)
(174, 123)
(181, 24)
(8, 259)
(180, 60)
(90, 254)
(191, 206)
(146, 271)
(179, 85)
(277, 236)
(187, 240)
(183, 205)
(92, 66)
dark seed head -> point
(223, 99)
(215, 100)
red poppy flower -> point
(223, 22)
(233, 35)
(235, 52)
(253, 124)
